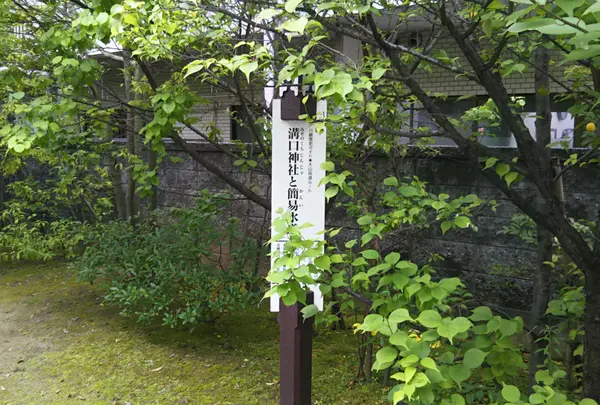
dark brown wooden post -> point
(295, 359)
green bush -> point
(171, 267)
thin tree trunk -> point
(336, 309)
(543, 274)
(152, 163)
(591, 325)
(1, 192)
(541, 297)
(570, 368)
(362, 350)
(369, 361)
(130, 193)
(138, 124)
(117, 185)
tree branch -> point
(211, 167)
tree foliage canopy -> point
(57, 102)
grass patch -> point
(92, 355)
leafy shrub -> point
(171, 265)
(50, 200)
(426, 333)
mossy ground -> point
(60, 345)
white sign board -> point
(298, 152)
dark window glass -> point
(239, 125)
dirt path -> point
(17, 345)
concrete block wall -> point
(181, 184)
(497, 268)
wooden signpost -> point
(298, 152)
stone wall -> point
(496, 267)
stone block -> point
(582, 180)
(509, 262)
(221, 160)
(168, 179)
(447, 172)
(507, 292)
(582, 205)
(187, 180)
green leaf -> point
(594, 8)
(462, 222)
(337, 258)
(429, 363)
(295, 25)
(18, 95)
(372, 322)
(545, 26)
(445, 226)
(85, 66)
(392, 258)
(490, 162)
(290, 5)
(438, 205)
(323, 262)
(569, 6)
(328, 166)
(248, 68)
(536, 398)
(331, 192)
(409, 373)
(267, 13)
(378, 73)
(309, 311)
(409, 191)
(386, 355)
(430, 318)
(327, 5)
(591, 52)
(474, 358)
(400, 315)
(488, 27)
(481, 314)
(409, 360)
(459, 373)
(399, 338)
(390, 181)
(461, 324)
(413, 289)
(420, 380)
(370, 254)
(543, 376)
(168, 106)
(290, 298)
(452, 327)
(365, 220)
(511, 393)
(502, 169)
(457, 399)
(102, 18)
(587, 401)
(510, 177)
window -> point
(239, 125)
(563, 123)
(119, 121)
